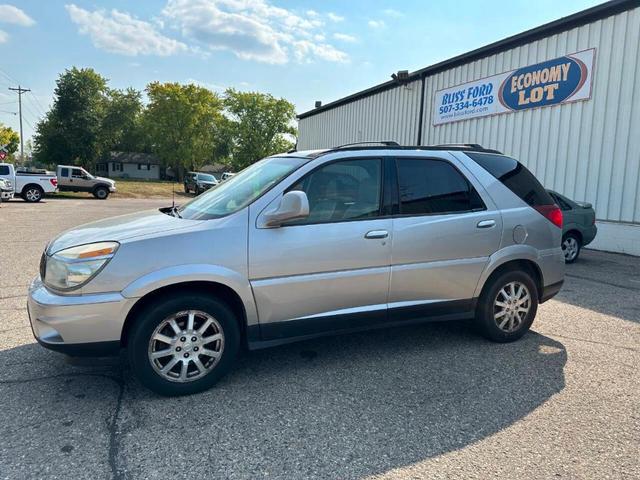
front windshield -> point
(87, 174)
(241, 189)
(206, 177)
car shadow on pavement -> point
(604, 282)
(340, 407)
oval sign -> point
(546, 83)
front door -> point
(329, 271)
(79, 180)
(442, 240)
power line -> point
(7, 111)
(43, 110)
(20, 91)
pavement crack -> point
(117, 473)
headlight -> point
(73, 267)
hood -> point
(119, 228)
(106, 180)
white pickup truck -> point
(30, 186)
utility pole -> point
(20, 91)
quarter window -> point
(346, 190)
(4, 169)
(434, 187)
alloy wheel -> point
(33, 195)
(511, 306)
(186, 346)
(570, 248)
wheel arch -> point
(218, 290)
(576, 232)
(28, 185)
(520, 260)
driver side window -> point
(340, 191)
(77, 173)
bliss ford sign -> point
(561, 80)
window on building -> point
(144, 166)
(434, 187)
(116, 166)
(345, 190)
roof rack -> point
(389, 145)
(386, 143)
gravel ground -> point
(431, 401)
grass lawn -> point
(126, 188)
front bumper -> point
(112, 188)
(88, 325)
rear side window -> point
(434, 187)
(4, 169)
(514, 176)
(64, 172)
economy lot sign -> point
(561, 80)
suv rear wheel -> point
(508, 306)
(184, 344)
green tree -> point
(72, 130)
(181, 123)
(121, 127)
(261, 125)
(10, 138)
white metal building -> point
(565, 101)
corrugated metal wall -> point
(391, 115)
(587, 150)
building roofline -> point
(563, 24)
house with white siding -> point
(130, 165)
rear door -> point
(442, 238)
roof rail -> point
(475, 147)
(387, 143)
(470, 146)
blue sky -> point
(301, 50)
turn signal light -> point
(551, 213)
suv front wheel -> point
(183, 345)
(508, 306)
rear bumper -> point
(79, 325)
(6, 195)
(550, 291)
(588, 234)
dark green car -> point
(578, 227)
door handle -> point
(376, 234)
(486, 224)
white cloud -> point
(11, 14)
(119, 32)
(3, 36)
(312, 13)
(376, 24)
(390, 12)
(251, 29)
(344, 37)
(335, 17)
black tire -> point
(154, 315)
(571, 247)
(101, 193)
(32, 193)
(486, 310)
(197, 191)
(186, 188)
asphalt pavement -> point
(430, 401)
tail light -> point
(551, 213)
(54, 182)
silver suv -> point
(300, 245)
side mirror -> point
(293, 205)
